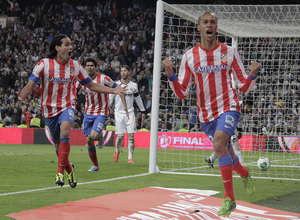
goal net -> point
(269, 122)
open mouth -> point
(209, 32)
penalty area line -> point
(56, 187)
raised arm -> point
(181, 85)
(243, 81)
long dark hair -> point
(57, 40)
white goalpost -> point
(270, 119)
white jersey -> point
(131, 93)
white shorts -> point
(123, 124)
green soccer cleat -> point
(209, 162)
(101, 142)
(72, 178)
(59, 179)
(227, 207)
(248, 183)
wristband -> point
(173, 78)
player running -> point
(58, 75)
(212, 66)
(96, 111)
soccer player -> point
(236, 147)
(58, 75)
(96, 111)
(122, 121)
(211, 65)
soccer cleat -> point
(130, 161)
(94, 168)
(101, 142)
(227, 207)
(72, 178)
(248, 183)
(116, 156)
(59, 179)
(209, 162)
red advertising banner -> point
(16, 135)
(197, 141)
(166, 140)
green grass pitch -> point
(31, 167)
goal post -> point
(269, 34)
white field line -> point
(57, 187)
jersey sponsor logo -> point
(61, 80)
(210, 69)
(196, 60)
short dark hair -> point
(126, 66)
(90, 60)
(57, 40)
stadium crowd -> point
(115, 36)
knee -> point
(65, 133)
(220, 149)
(94, 136)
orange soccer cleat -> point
(130, 161)
(116, 156)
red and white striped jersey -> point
(211, 71)
(97, 103)
(58, 82)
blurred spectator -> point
(109, 71)
(28, 115)
(148, 103)
(14, 7)
(115, 64)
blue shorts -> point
(53, 123)
(225, 122)
(93, 122)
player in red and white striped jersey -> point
(96, 111)
(58, 75)
(211, 65)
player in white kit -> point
(124, 122)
